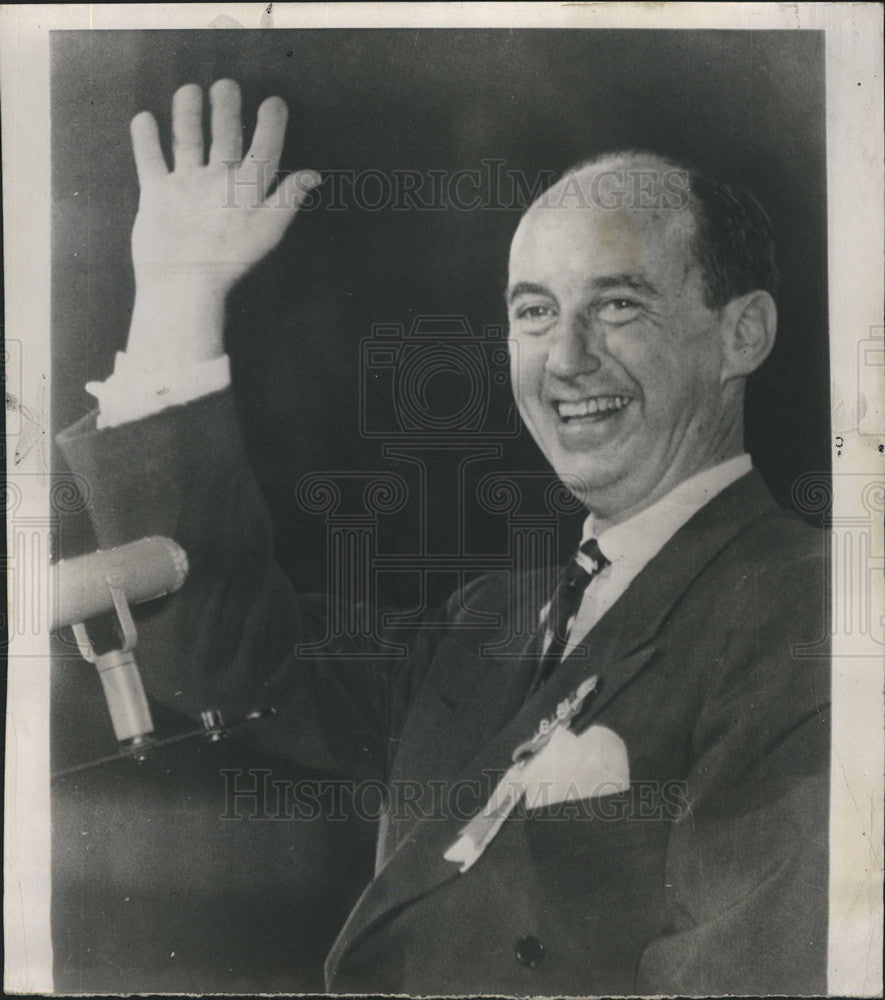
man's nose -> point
(575, 348)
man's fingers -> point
(187, 127)
(227, 131)
(149, 162)
(267, 143)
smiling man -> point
(632, 355)
(645, 782)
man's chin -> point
(588, 479)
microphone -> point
(90, 585)
(142, 570)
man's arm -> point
(199, 229)
(228, 639)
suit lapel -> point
(619, 646)
(631, 624)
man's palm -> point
(208, 223)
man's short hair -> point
(734, 241)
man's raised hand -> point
(203, 225)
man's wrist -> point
(175, 325)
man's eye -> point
(534, 312)
(619, 310)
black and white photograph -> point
(444, 499)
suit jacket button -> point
(529, 951)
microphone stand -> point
(120, 678)
(126, 700)
(139, 752)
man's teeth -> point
(590, 407)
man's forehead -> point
(561, 235)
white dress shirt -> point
(134, 392)
(631, 544)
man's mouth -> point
(591, 409)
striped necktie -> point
(565, 603)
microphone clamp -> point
(120, 678)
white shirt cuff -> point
(134, 392)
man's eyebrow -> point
(635, 282)
(526, 288)
(626, 279)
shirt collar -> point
(639, 538)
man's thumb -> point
(287, 198)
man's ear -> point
(748, 326)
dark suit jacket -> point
(708, 877)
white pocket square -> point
(569, 768)
(576, 766)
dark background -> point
(749, 105)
